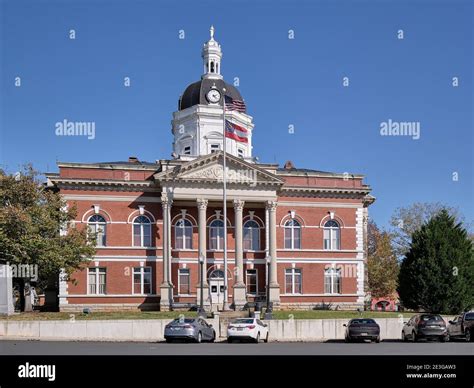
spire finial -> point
(212, 32)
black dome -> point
(196, 93)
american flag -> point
(232, 104)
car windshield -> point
(247, 321)
(431, 318)
(362, 321)
(469, 317)
(185, 320)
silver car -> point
(195, 329)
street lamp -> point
(201, 311)
(268, 310)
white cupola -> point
(212, 56)
(197, 125)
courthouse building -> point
(295, 235)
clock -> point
(213, 96)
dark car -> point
(462, 327)
(428, 326)
(362, 329)
(195, 329)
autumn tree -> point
(31, 219)
(382, 263)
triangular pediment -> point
(210, 169)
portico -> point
(249, 188)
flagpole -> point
(224, 199)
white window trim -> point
(259, 228)
(334, 273)
(332, 230)
(142, 234)
(97, 288)
(293, 273)
(183, 235)
(142, 278)
(292, 228)
(218, 239)
(256, 281)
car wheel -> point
(257, 340)
(347, 340)
(266, 338)
(199, 338)
(213, 336)
(168, 340)
(469, 336)
(229, 340)
(377, 340)
(413, 337)
(444, 338)
(404, 338)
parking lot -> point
(393, 348)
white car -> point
(247, 328)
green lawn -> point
(328, 314)
(286, 314)
(43, 316)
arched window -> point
(141, 232)
(292, 234)
(212, 66)
(332, 281)
(251, 236)
(216, 235)
(97, 225)
(183, 234)
(332, 235)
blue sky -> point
(284, 82)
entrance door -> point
(216, 287)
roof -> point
(195, 93)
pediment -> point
(210, 169)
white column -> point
(6, 290)
(274, 286)
(240, 298)
(202, 250)
(165, 287)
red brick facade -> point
(121, 191)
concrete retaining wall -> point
(152, 330)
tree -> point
(407, 220)
(437, 274)
(31, 218)
(382, 263)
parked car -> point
(362, 329)
(196, 329)
(429, 326)
(462, 327)
(247, 328)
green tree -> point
(31, 218)
(437, 274)
(407, 220)
(382, 263)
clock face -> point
(213, 96)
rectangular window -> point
(142, 280)
(184, 281)
(293, 283)
(240, 152)
(332, 281)
(252, 282)
(215, 148)
(187, 150)
(97, 280)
